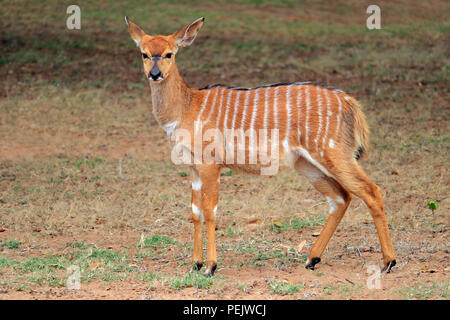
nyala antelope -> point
(322, 134)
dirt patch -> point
(345, 274)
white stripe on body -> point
(338, 115)
(219, 113)
(213, 106)
(308, 107)
(329, 113)
(288, 119)
(319, 111)
(236, 106)
(275, 108)
(205, 102)
(244, 114)
(299, 110)
(225, 121)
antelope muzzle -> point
(155, 74)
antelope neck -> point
(170, 98)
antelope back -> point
(322, 121)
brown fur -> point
(321, 130)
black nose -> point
(155, 74)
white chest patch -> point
(197, 185)
(331, 143)
(170, 127)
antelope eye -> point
(145, 56)
(169, 55)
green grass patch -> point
(155, 241)
(230, 232)
(283, 288)
(182, 174)
(94, 263)
(295, 224)
(7, 262)
(228, 173)
(76, 244)
(281, 257)
(89, 163)
(10, 244)
(148, 276)
(418, 290)
(193, 279)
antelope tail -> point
(360, 129)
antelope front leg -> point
(197, 217)
(209, 176)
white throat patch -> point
(170, 127)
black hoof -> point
(197, 266)
(210, 272)
(389, 266)
(310, 264)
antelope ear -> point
(186, 35)
(136, 33)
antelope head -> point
(158, 52)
